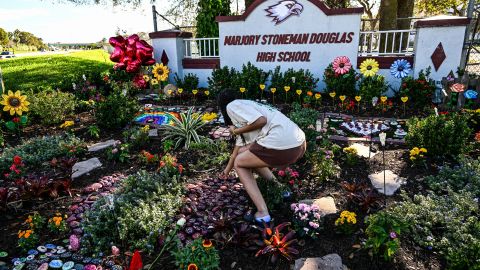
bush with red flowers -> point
(419, 91)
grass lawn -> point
(36, 72)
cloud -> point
(19, 14)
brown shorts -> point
(278, 158)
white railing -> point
(201, 48)
(393, 42)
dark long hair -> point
(223, 99)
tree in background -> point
(337, 3)
(207, 26)
(3, 37)
(436, 7)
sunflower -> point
(192, 266)
(15, 103)
(207, 243)
(160, 72)
(369, 67)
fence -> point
(384, 43)
(201, 48)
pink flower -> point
(295, 174)
(114, 150)
(115, 251)
(293, 206)
(90, 267)
(291, 182)
(341, 65)
(313, 225)
(317, 215)
(281, 173)
(74, 242)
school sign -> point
(307, 34)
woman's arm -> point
(258, 124)
(231, 161)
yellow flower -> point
(207, 117)
(423, 150)
(318, 95)
(21, 234)
(146, 128)
(154, 81)
(160, 72)
(146, 78)
(15, 103)
(28, 233)
(242, 89)
(67, 124)
(369, 67)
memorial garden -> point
(117, 162)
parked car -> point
(4, 55)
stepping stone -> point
(100, 146)
(328, 262)
(84, 167)
(325, 204)
(153, 132)
(392, 182)
(362, 150)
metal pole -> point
(2, 86)
(469, 30)
(154, 11)
(384, 179)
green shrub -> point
(340, 84)
(184, 131)
(195, 253)
(443, 135)
(464, 177)
(323, 165)
(272, 191)
(188, 83)
(116, 111)
(306, 119)
(222, 78)
(297, 80)
(448, 224)
(371, 87)
(419, 91)
(383, 232)
(39, 150)
(209, 153)
(250, 78)
(139, 212)
(52, 106)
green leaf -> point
(11, 126)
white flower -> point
(181, 222)
(84, 77)
(74, 86)
(306, 229)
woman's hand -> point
(223, 175)
(231, 129)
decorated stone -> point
(66, 255)
(109, 263)
(23, 259)
(60, 251)
(60, 248)
(90, 267)
(49, 254)
(44, 266)
(31, 267)
(96, 261)
(19, 266)
(42, 249)
(30, 257)
(78, 266)
(43, 256)
(86, 260)
(55, 264)
(55, 257)
(77, 257)
(117, 267)
(32, 252)
(16, 261)
(68, 265)
(3, 254)
(50, 246)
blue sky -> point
(65, 22)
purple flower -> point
(393, 235)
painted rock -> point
(66, 255)
(74, 224)
(32, 252)
(48, 254)
(42, 249)
(30, 257)
(56, 264)
(87, 260)
(50, 246)
(3, 254)
(19, 266)
(90, 267)
(78, 266)
(77, 257)
(68, 265)
(117, 267)
(44, 266)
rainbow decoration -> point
(156, 118)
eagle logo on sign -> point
(283, 10)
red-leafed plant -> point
(368, 199)
(277, 244)
(3, 197)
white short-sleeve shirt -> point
(279, 133)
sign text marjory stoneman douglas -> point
(287, 39)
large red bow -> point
(131, 53)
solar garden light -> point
(383, 137)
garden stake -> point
(242, 90)
(383, 136)
(273, 90)
(286, 88)
(262, 86)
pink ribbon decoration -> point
(131, 53)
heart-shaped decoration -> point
(207, 92)
(169, 92)
(383, 99)
(180, 90)
(242, 89)
(299, 92)
(358, 98)
(194, 91)
(332, 94)
(262, 86)
(273, 90)
(342, 98)
(318, 95)
(404, 99)
(286, 88)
